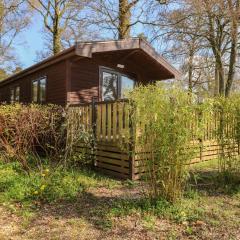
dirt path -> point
(84, 219)
(9, 225)
(88, 218)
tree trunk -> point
(216, 86)
(234, 43)
(221, 78)
(220, 70)
(57, 46)
(124, 19)
(56, 42)
(232, 66)
(190, 72)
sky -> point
(29, 42)
(32, 40)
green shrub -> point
(163, 119)
(32, 133)
(79, 132)
(228, 136)
(29, 130)
(170, 125)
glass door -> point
(114, 85)
(109, 85)
(127, 84)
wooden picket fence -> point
(110, 123)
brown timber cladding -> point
(55, 89)
(111, 124)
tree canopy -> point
(199, 37)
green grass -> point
(17, 188)
(98, 202)
(187, 209)
(205, 166)
(204, 189)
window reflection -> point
(12, 95)
(35, 91)
(39, 90)
(109, 86)
(42, 89)
(15, 94)
(115, 85)
(127, 84)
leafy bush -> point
(170, 125)
(163, 118)
(30, 130)
(79, 133)
(228, 135)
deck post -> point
(94, 117)
(94, 121)
(131, 146)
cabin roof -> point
(88, 49)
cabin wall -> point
(75, 80)
(85, 80)
(55, 89)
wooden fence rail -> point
(110, 123)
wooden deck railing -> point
(110, 123)
(109, 120)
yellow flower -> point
(42, 187)
(183, 214)
(43, 174)
(47, 170)
(36, 192)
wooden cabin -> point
(102, 70)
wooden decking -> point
(110, 124)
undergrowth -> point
(46, 185)
(181, 211)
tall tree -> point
(13, 19)
(214, 24)
(59, 17)
(124, 21)
(234, 11)
(221, 31)
(117, 16)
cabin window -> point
(39, 90)
(114, 84)
(15, 94)
(35, 91)
(127, 84)
(109, 85)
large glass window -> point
(15, 94)
(12, 95)
(114, 84)
(39, 90)
(109, 86)
(35, 91)
(42, 90)
(127, 84)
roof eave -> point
(45, 63)
(88, 49)
(145, 46)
